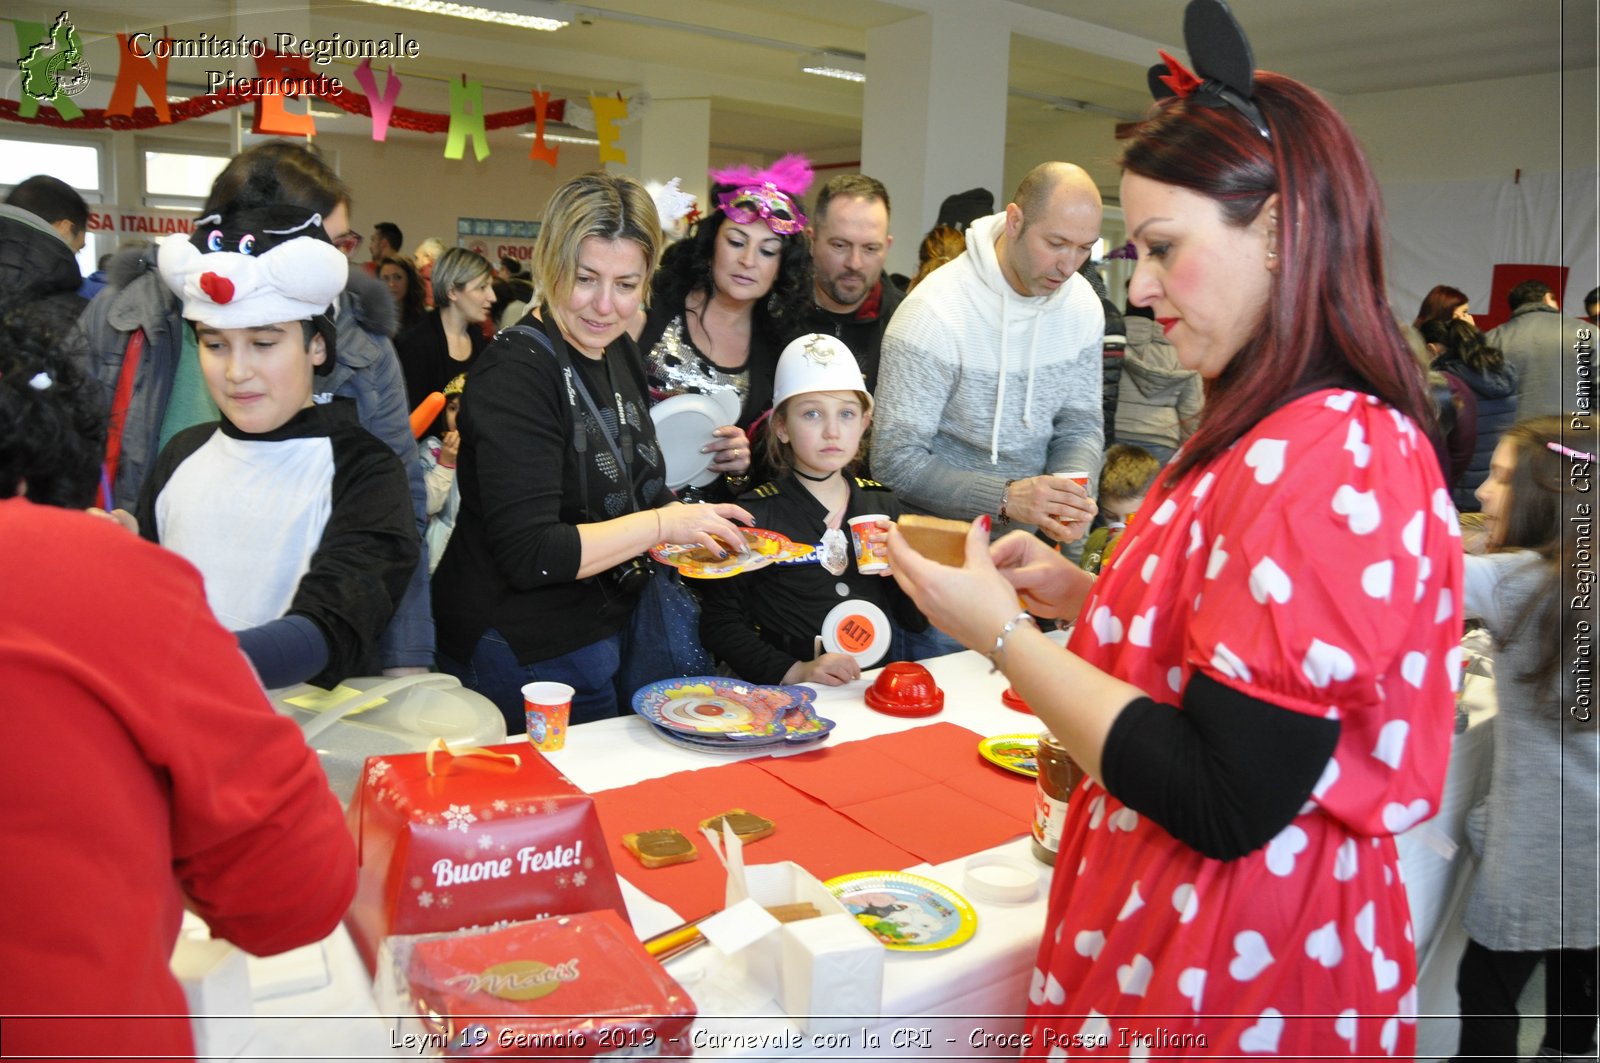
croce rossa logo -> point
(55, 65)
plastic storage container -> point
(413, 710)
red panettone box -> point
(473, 838)
(576, 987)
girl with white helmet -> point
(765, 625)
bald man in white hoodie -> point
(990, 375)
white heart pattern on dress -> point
(1345, 1026)
(1389, 1036)
(1447, 606)
(1164, 512)
(1036, 988)
(1324, 946)
(1107, 628)
(1263, 1036)
(1402, 424)
(1132, 904)
(1250, 955)
(1192, 984)
(1095, 1029)
(1123, 819)
(1326, 663)
(1175, 678)
(1281, 851)
(1413, 667)
(1097, 811)
(1399, 818)
(1217, 558)
(1360, 508)
(1147, 571)
(1445, 510)
(1408, 1005)
(1377, 579)
(1385, 971)
(1197, 539)
(1411, 535)
(1355, 441)
(1366, 925)
(1265, 456)
(1228, 663)
(1347, 862)
(1341, 402)
(1330, 775)
(1134, 978)
(1139, 627)
(1088, 943)
(1054, 992)
(1203, 485)
(1391, 745)
(1186, 902)
(1268, 581)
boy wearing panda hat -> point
(298, 518)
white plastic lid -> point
(1001, 879)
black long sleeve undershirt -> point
(1223, 776)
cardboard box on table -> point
(451, 840)
(825, 972)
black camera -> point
(629, 578)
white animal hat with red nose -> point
(254, 267)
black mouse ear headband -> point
(1223, 61)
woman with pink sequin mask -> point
(725, 301)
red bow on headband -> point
(1178, 78)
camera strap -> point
(620, 443)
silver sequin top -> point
(675, 366)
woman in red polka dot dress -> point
(1260, 685)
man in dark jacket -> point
(849, 242)
(43, 225)
(1540, 341)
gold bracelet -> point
(1000, 639)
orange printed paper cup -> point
(548, 707)
(872, 552)
(1079, 478)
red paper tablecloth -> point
(881, 803)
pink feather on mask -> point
(790, 174)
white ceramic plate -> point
(858, 628)
(684, 424)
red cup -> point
(548, 707)
(905, 688)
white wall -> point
(1478, 129)
(1448, 159)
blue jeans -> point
(920, 645)
(589, 670)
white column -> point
(934, 116)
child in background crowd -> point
(764, 625)
(1125, 478)
(297, 517)
(1536, 891)
(438, 457)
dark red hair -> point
(1327, 323)
(1439, 305)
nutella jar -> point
(1058, 776)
